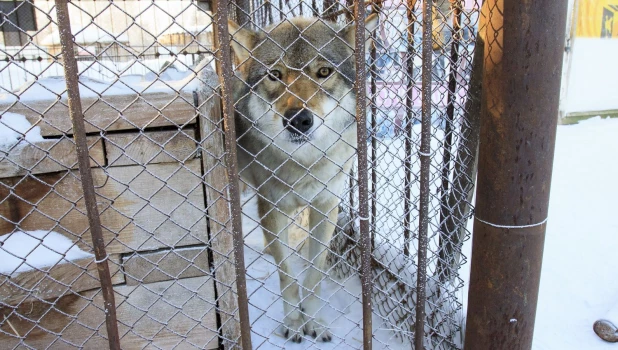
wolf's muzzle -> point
(297, 121)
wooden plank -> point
(110, 113)
(166, 265)
(53, 282)
(48, 156)
(164, 315)
(150, 147)
(216, 183)
(576, 117)
(142, 208)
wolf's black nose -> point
(298, 121)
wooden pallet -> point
(148, 178)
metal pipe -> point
(83, 160)
(407, 204)
(424, 154)
(226, 75)
(521, 90)
(445, 236)
(363, 200)
(374, 146)
(243, 9)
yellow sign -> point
(597, 19)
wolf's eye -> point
(324, 72)
(274, 75)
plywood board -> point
(142, 208)
(216, 182)
(48, 156)
(53, 282)
(166, 265)
(172, 314)
(150, 147)
(110, 113)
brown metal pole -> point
(83, 160)
(424, 154)
(243, 8)
(407, 185)
(226, 75)
(374, 145)
(446, 237)
(521, 89)
(363, 191)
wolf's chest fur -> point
(306, 176)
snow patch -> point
(592, 81)
(14, 128)
(24, 251)
(89, 35)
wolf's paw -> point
(316, 329)
(291, 329)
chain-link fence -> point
(121, 189)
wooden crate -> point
(181, 315)
(148, 180)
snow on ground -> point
(579, 283)
(14, 128)
(24, 251)
(592, 80)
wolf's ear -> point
(243, 41)
(349, 33)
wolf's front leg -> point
(274, 225)
(322, 219)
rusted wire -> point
(225, 61)
(425, 157)
(448, 137)
(363, 190)
(71, 74)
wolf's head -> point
(298, 78)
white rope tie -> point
(363, 218)
(102, 260)
(509, 226)
(424, 154)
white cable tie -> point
(102, 260)
(424, 154)
(510, 226)
(364, 218)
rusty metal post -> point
(407, 186)
(425, 156)
(374, 114)
(226, 75)
(446, 237)
(243, 8)
(363, 190)
(83, 160)
(521, 84)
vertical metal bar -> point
(445, 235)
(521, 89)
(243, 8)
(407, 204)
(83, 161)
(226, 76)
(374, 114)
(363, 200)
(424, 153)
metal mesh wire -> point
(149, 81)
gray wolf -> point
(296, 128)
